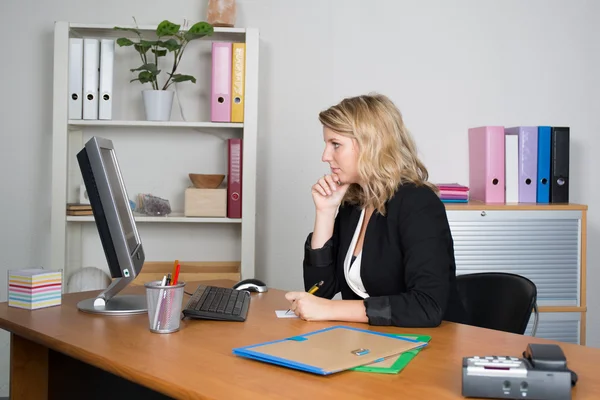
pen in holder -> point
(164, 306)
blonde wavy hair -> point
(387, 154)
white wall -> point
(448, 66)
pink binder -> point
(220, 93)
(486, 164)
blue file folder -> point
(330, 350)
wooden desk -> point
(60, 347)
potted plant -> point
(170, 38)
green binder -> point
(394, 365)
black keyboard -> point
(223, 304)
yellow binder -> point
(238, 81)
(330, 350)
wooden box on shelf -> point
(205, 202)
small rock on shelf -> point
(156, 206)
(221, 12)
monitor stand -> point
(109, 303)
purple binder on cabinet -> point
(528, 143)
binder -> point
(234, 178)
(75, 78)
(238, 75)
(220, 94)
(511, 168)
(395, 364)
(91, 59)
(543, 167)
(559, 167)
(486, 164)
(527, 161)
(330, 350)
(107, 56)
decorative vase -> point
(158, 104)
(221, 13)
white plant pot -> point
(158, 104)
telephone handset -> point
(548, 357)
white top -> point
(353, 274)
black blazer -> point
(407, 267)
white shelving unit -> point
(69, 136)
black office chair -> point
(499, 300)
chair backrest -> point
(497, 300)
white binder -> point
(75, 77)
(107, 57)
(91, 59)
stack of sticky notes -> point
(34, 288)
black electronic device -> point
(116, 228)
(218, 303)
(541, 373)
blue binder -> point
(543, 167)
(330, 350)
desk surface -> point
(197, 361)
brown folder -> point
(330, 350)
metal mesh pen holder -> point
(164, 306)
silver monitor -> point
(116, 226)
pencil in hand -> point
(315, 287)
(312, 290)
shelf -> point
(478, 205)
(78, 123)
(68, 232)
(108, 31)
(173, 218)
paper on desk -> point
(282, 314)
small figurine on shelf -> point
(221, 13)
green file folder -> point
(394, 365)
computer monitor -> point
(116, 226)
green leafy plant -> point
(170, 39)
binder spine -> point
(75, 78)
(238, 72)
(527, 164)
(107, 55)
(476, 164)
(559, 187)
(221, 82)
(234, 178)
(486, 164)
(511, 161)
(91, 55)
(495, 153)
(543, 165)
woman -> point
(381, 235)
